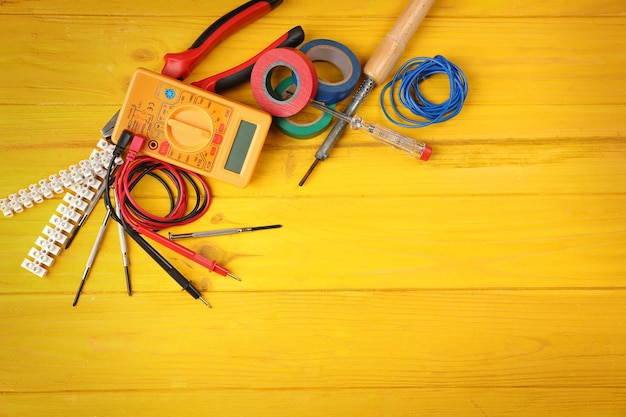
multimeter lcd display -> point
(241, 144)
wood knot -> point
(143, 55)
(209, 251)
(217, 218)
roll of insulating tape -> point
(296, 129)
(339, 55)
(303, 72)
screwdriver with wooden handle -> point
(376, 70)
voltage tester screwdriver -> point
(376, 70)
(382, 134)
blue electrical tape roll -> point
(339, 55)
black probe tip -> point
(273, 226)
(80, 289)
(128, 287)
(308, 173)
(72, 236)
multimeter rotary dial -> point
(189, 128)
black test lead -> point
(221, 232)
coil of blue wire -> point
(404, 90)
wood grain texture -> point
(488, 281)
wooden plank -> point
(77, 128)
(538, 62)
(529, 160)
(323, 8)
(331, 340)
(488, 281)
(431, 401)
(378, 242)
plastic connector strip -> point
(82, 173)
(82, 183)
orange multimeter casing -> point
(193, 128)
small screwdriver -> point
(221, 232)
(92, 255)
(123, 247)
(380, 133)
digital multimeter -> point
(193, 128)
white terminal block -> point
(48, 246)
(25, 199)
(82, 181)
(105, 145)
(62, 224)
(75, 202)
(45, 189)
(76, 175)
(99, 170)
(65, 178)
(34, 267)
(83, 191)
(36, 193)
(15, 204)
(6, 208)
(68, 213)
(40, 257)
(55, 234)
(55, 183)
(92, 182)
(85, 168)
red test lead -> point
(212, 266)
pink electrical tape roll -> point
(261, 81)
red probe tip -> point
(233, 277)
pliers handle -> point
(241, 73)
(180, 65)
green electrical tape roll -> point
(301, 130)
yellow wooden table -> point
(489, 281)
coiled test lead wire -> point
(404, 91)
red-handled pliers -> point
(180, 65)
